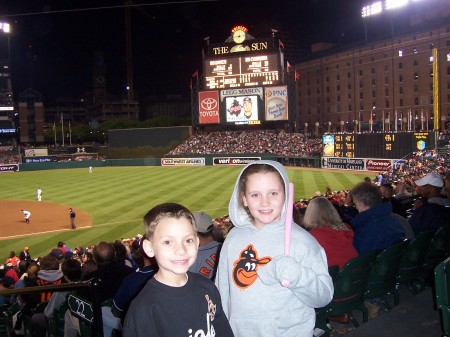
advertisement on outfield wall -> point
(9, 168)
(234, 160)
(358, 164)
(276, 99)
(380, 165)
(38, 159)
(208, 107)
(343, 163)
(182, 161)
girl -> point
(252, 263)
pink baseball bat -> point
(288, 227)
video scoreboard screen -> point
(377, 145)
(242, 71)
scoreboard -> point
(242, 71)
(377, 145)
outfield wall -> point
(208, 160)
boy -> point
(175, 302)
(253, 267)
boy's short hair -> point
(163, 211)
(71, 269)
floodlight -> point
(375, 8)
(5, 27)
(392, 4)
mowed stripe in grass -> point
(118, 197)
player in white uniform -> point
(26, 214)
(39, 194)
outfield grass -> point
(118, 197)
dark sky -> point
(53, 44)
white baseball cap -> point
(203, 222)
(432, 179)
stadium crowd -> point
(250, 142)
(9, 156)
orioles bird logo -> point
(244, 271)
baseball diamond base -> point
(46, 217)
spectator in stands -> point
(13, 259)
(434, 211)
(401, 191)
(387, 191)
(25, 254)
(88, 264)
(208, 250)
(108, 270)
(111, 274)
(375, 226)
(11, 272)
(133, 283)
(71, 270)
(122, 254)
(333, 235)
(49, 273)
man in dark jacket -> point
(375, 226)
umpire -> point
(72, 218)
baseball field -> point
(111, 201)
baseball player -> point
(39, 194)
(26, 215)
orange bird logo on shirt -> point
(244, 268)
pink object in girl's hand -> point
(288, 227)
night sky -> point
(53, 48)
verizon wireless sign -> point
(378, 164)
(234, 160)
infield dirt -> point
(46, 217)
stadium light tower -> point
(6, 28)
(379, 7)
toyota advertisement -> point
(208, 106)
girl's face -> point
(174, 246)
(264, 196)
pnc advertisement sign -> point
(208, 107)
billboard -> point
(276, 107)
(328, 145)
(242, 106)
(208, 107)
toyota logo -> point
(209, 103)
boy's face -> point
(264, 196)
(174, 246)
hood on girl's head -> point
(238, 214)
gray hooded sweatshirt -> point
(252, 266)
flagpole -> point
(62, 129)
(70, 134)
(54, 131)
(395, 125)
